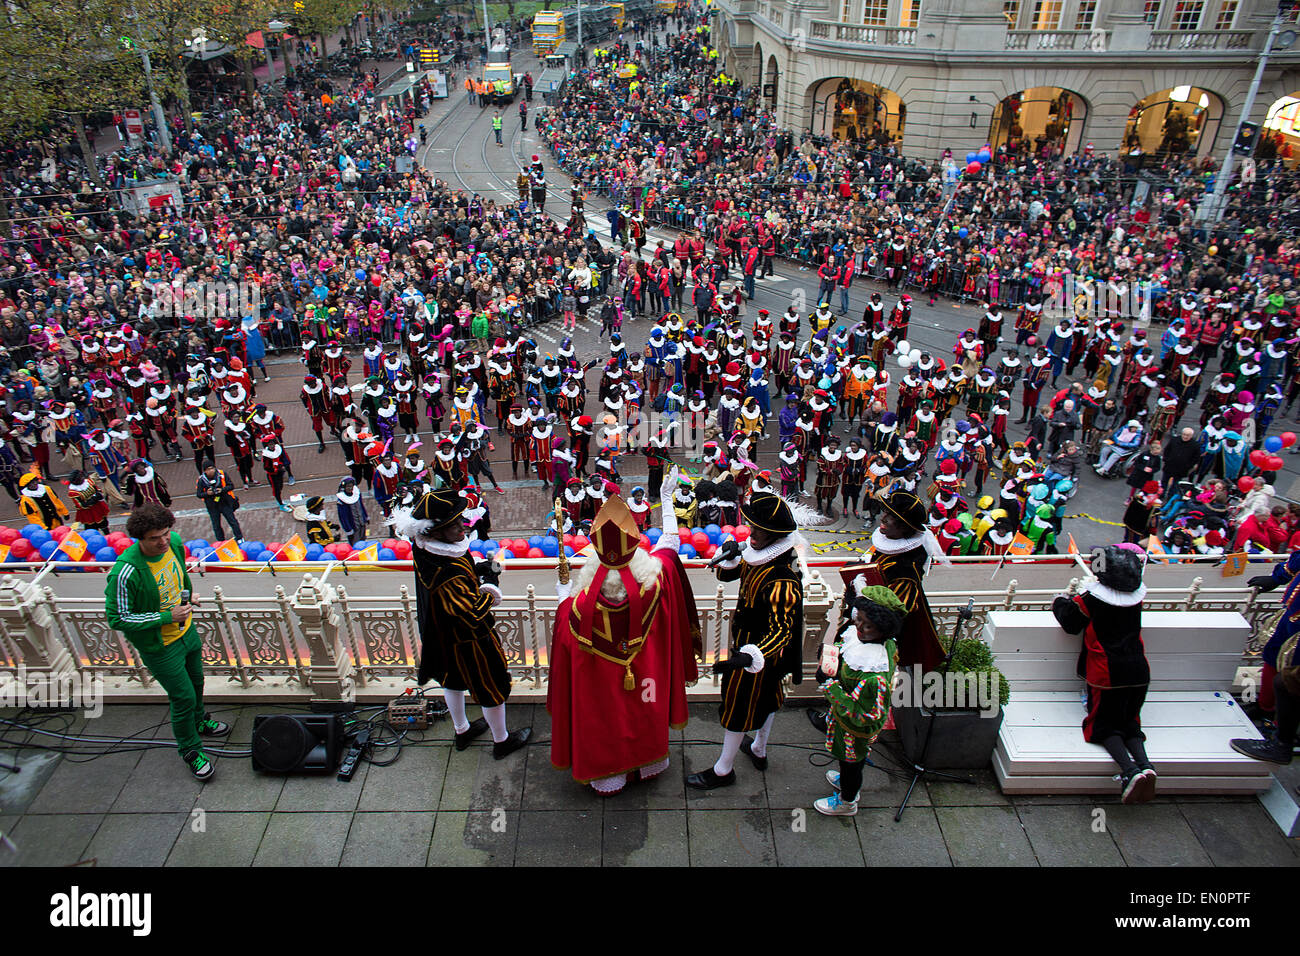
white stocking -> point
(760, 736)
(496, 718)
(731, 741)
(456, 707)
(654, 770)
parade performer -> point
(1107, 611)
(627, 623)
(766, 636)
(858, 690)
(454, 600)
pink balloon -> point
(61, 532)
(742, 533)
(535, 553)
(1288, 439)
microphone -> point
(728, 551)
(968, 611)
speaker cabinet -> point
(297, 743)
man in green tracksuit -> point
(149, 598)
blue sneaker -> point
(833, 806)
(833, 778)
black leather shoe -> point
(747, 747)
(818, 719)
(708, 780)
(476, 729)
(515, 740)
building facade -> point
(1148, 76)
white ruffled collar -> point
(862, 657)
(759, 556)
(1111, 596)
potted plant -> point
(963, 701)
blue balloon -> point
(264, 555)
(550, 548)
(387, 554)
(361, 546)
(710, 529)
(201, 543)
(328, 556)
(314, 551)
(963, 232)
(695, 531)
(983, 156)
(40, 537)
(971, 157)
(105, 554)
(62, 556)
(47, 549)
(654, 534)
(475, 545)
(1273, 444)
(686, 551)
(490, 546)
(536, 541)
(506, 553)
(253, 548)
(361, 275)
(29, 530)
(94, 541)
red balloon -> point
(121, 545)
(709, 551)
(644, 543)
(390, 544)
(1244, 484)
(579, 542)
(8, 535)
(274, 546)
(61, 532)
(974, 168)
(742, 533)
(22, 547)
(1258, 457)
(519, 546)
(729, 529)
(376, 281)
(568, 539)
(1274, 463)
(187, 551)
(535, 553)
(699, 541)
(402, 549)
(1288, 439)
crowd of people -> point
(411, 305)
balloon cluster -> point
(695, 543)
(34, 543)
(975, 161)
(907, 356)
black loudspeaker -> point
(297, 743)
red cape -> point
(598, 728)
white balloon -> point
(905, 362)
(915, 356)
(903, 348)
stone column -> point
(330, 670)
(26, 621)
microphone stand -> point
(919, 769)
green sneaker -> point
(199, 764)
(208, 727)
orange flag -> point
(229, 551)
(1074, 548)
(74, 546)
(294, 549)
(1234, 564)
(1020, 546)
(369, 554)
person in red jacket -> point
(845, 280)
(829, 273)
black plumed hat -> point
(770, 513)
(440, 508)
(908, 508)
(1119, 569)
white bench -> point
(1189, 715)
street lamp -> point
(275, 26)
(1213, 208)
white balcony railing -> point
(295, 637)
(1095, 40)
(1199, 40)
(860, 34)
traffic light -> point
(1246, 137)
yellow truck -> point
(666, 6)
(500, 79)
(548, 31)
(618, 13)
